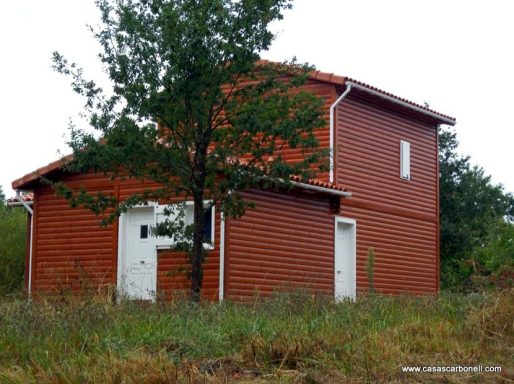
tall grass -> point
(289, 338)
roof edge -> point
(445, 119)
(45, 170)
(317, 75)
(311, 184)
(332, 78)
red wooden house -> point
(382, 193)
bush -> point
(12, 247)
(493, 263)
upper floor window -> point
(405, 160)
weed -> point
(294, 337)
(370, 268)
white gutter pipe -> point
(221, 290)
(362, 88)
(18, 204)
(332, 129)
(31, 212)
(221, 279)
(23, 202)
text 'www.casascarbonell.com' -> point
(451, 369)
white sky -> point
(457, 56)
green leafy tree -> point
(13, 223)
(193, 109)
(470, 207)
(495, 259)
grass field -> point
(291, 338)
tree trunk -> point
(197, 255)
(198, 190)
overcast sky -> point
(457, 56)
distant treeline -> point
(477, 234)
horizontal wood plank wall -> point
(72, 252)
(397, 217)
(327, 92)
(405, 254)
(285, 242)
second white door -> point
(345, 258)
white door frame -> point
(122, 241)
(353, 255)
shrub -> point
(370, 268)
(493, 263)
(12, 248)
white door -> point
(139, 270)
(345, 258)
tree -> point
(12, 246)
(493, 262)
(470, 207)
(193, 109)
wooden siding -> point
(286, 241)
(398, 217)
(71, 250)
(405, 252)
(327, 92)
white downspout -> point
(31, 212)
(222, 258)
(332, 139)
(30, 255)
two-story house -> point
(382, 193)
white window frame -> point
(162, 242)
(405, 160)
